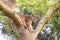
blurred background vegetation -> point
(51, 30)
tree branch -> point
(45, 18)
(11, 14)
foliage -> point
(55, 20)
(7, 28)
(35, 5)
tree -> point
(24, 33)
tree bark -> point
(24, 33)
